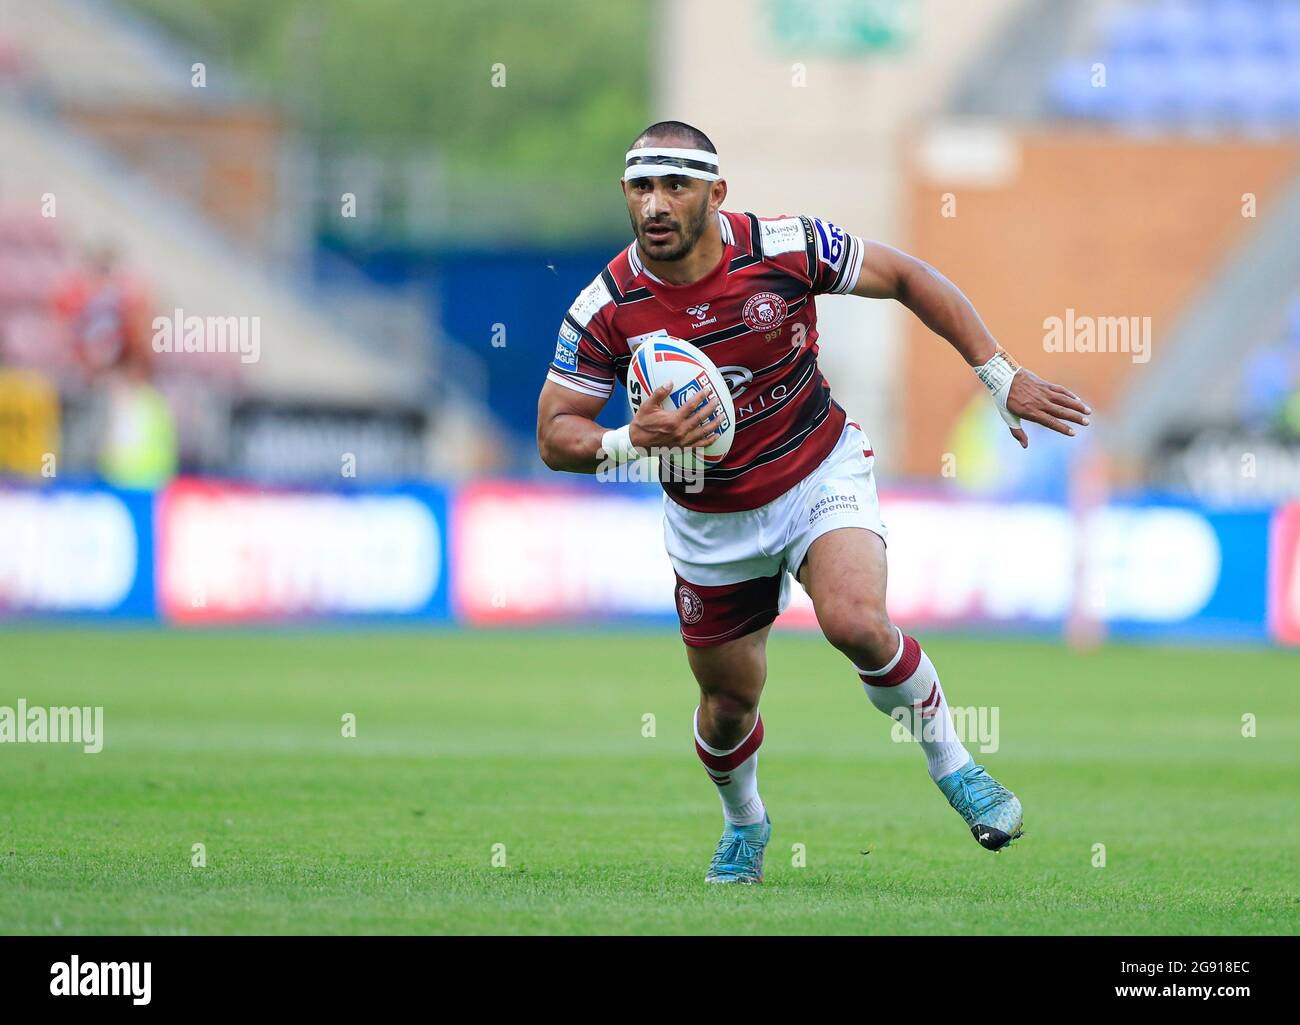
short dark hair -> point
(677, 130)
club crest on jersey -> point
(764, 311)
(690, 605)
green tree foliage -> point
(416, 77)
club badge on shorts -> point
(690, 605)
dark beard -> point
(690, 233)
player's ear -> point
(717, 195)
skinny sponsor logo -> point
(73, 978)
(57, 724)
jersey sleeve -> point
(815, 250)
(837, 258)
(584, 360)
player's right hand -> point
(657, 427)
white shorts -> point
(713, 552)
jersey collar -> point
(678, 297)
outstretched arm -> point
(888, 273)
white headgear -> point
(655, 161)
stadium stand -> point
(1240, 308)
(32, 262)
(1187, 111)
(110, 148)
(1194, 64)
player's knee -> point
(725, 719)
(863, 633)
(729, 709)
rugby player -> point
(795, 495)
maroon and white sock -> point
(907, 689)
(735, 774)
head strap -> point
(656, 161)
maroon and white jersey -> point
(755, 316)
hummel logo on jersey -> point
(700, 312)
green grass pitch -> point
(534, 741)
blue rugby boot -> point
(991, 810)
(739, 857)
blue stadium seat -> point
(1132, 32)
(1288, 89)
(1193, 63)
(1178, 26)
(1284, 28)
(1074, 94)
(1253, 93)
(1236, 27)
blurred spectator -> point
(107, 310)
(138, 448)
(1271, 396)
(14, 67)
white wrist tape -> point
(617, 444)
(997, 375)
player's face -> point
(668, 214)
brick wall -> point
(1108, 227)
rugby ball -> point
(694, 379)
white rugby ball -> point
(694, 380)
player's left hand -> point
(1046, 404)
